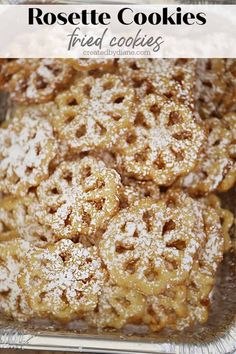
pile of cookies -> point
(110, 177)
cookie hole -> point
(123, 228)
(40, 83)
(79, 294)
(7, 142)
(70, 118)
(64, 297)
(131, 138)
(151, 312)
(174, 118)
(102, 130)
(171, 202)
(179, 78)
(137, 83)
(28, 170)
(95, 73)
(182, 135)
(205, 302)
(119, 100)
(64, 256)
(171, 265)
(16, 257)
(155, 109)
(168, 226)
(33, 135)
(72, 102)
(151, 274)
(150, 89)
(36, 279)
(43, 238)
(87, 280)
(16, 178)
(68, 177)
(140, 157)
(179, 155)
(42, 295)
(140, 120)
(86, 218)
(121, 248)
(181, 61)
(178, 244)
(100, 184)
(216, 143)
(52, 211)
(116, 117)
(221, 220)
(5, 293)
(44, 262)
(134, 66)
(81, 131)
(56, 71)
(159, 162)
(99, 204)
(86, 172)
(67, 221)
(4, 227)
(108, 85)
(135, 234)
(147, 218)
(113, 312)
(130, 266)
(23, 85)
(38, 149)
(209, 65)
(207, 84)
(87, 90)
(123, 301)
(55, 191)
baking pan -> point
(217, 336)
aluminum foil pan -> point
(217, 336)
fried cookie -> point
(173, 78)
(216, 87)
(153, 244)
(70, 283)
(79, 198)
(17, 220)
(27, 146)
(163, 143)
(184, 305)
(34, 80)
(216, 169)
(94, 112)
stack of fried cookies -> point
(111, 173)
